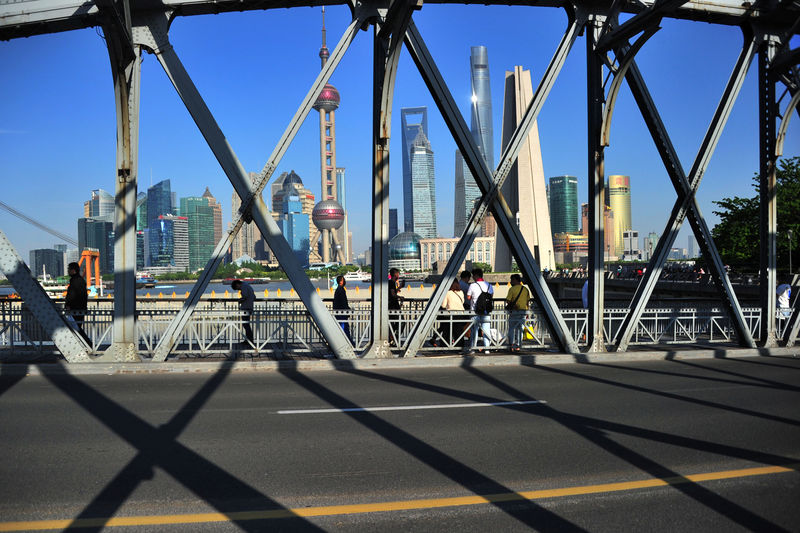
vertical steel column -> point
(329, 328)
(126, 70)
(596, 171)
(68, 342)
(506, 222)
(170, 337)
(507, 160)
(768, 202)
(387, 45)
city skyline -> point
(44, 145)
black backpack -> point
(484, 305)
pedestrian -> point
(783, 300)
(246, 303)
(340, 303)
(76, 300)
(463, 282)
(517, 306)
(453, 301)
(395, 304)
(480, 297)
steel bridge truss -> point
(611, 47)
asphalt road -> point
(700, 445)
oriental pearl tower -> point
(328, 214)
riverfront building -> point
(173, 242)
(216, 210)
(45, 260)
(619, 199)
(294, 224)
(437, 252)
(413, 121)
(564, 204)
(159, 202)
(423, 183)
(524, 188)
(466, 189)
(200, 229)
(404, 252)
(98, 234)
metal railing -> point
(284, 328)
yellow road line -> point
(402, 505)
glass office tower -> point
(423, 183)
(564, 208)
(410, 129)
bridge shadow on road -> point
(158, 447)
(594, 430)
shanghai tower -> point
(466, 190)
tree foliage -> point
(737, 234)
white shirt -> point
(784, 292)
(475, 290)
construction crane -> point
(29, 220)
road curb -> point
(449, 361)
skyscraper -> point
(141, 211)
(466, 192)
(619, 200)
(481, 125)
(423, 182)
(295, 225)
(216, 209)
(101, 204)
(98, 234)
(200, 229)
(392, 223)
(524, 188)
(173, 242)
(159, 202)
(564, 204)
(344, 232)
(45, 260)
(244, 243)
(410, 130)
(466, 189)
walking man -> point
(517, 305)
(77, 300)
(395, 303)
(340, 302)
(246, 304)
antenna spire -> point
(323, 52)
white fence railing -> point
(285, 328)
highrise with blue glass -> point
(414, 120)
(466, 190)
(423, 186)
(159, 202)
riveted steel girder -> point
(330, 330)
(686, 204)
(483, 176)
(40, 305)
(176, 326)
(425, 323)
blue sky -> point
(58, 137)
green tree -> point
(737, 234)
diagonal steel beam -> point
(176, 326)
(686, 204)
(426, 322)
(483, 176)
(40, 305)
(330, 330)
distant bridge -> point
(612, 45)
